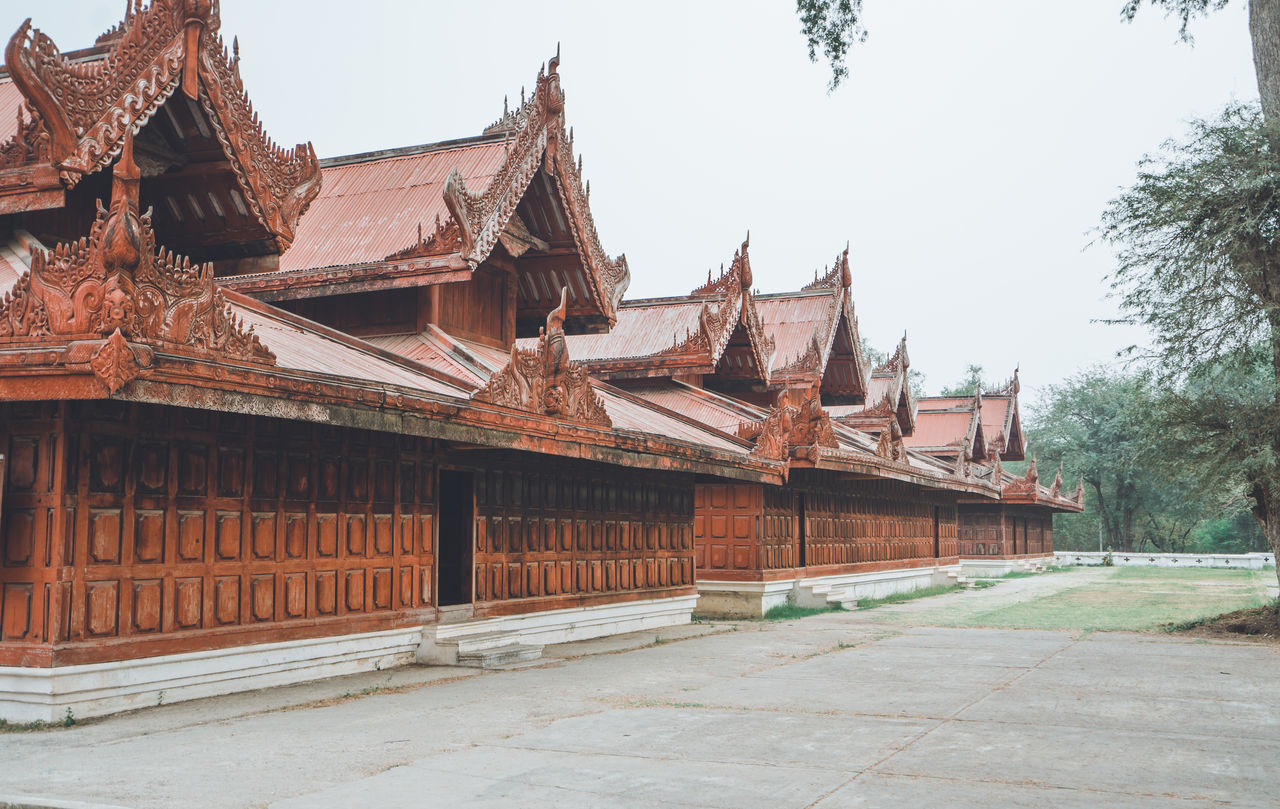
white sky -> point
(966, 159)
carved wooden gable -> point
(540, 140)
(86, 109)
(115, 283)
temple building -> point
(267, 418)
(1015, 533)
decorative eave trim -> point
(88, 108)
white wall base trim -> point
(981, 568)
(440, 642)
(1246, 561)
(739, 599)
(30, 694)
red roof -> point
(939, 430)
(794, 320)
(371, 206)
(10, 101)
(644, 328)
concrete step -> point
(821, 595)
(486, 650)
(496, 656)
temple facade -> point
(267, 418)
(1016, 532)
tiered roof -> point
(433, 213)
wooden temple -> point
(267, 418)
(1015, 532)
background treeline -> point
(1124, 433)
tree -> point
(1198, 249)
(970, 384)
(833, 26)
(1112, 429)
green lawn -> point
(1126, 598)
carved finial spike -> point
(747, 241)
(522, 96)
(588, 189)
(235, 49)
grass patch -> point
(788, 612)
(898, 598)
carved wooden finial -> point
(235, 50)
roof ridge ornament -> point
(544, 380)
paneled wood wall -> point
(133, 530)
(742, 528)
(574, 532)
(139, 530)
(1000, 531)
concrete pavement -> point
(833, 711)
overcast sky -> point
(966, 159)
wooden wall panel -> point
(558, 532)
(1001, 531)
(748, 528)
(727, 526)
(182, 527)
(33, 529)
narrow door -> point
(457, 537)
(802, 531)
(937, 529)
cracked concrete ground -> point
(833, 711)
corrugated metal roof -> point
(793, 320)
(635, 414)
(642, 330)
(421, 348)
(10, 100)
(11, 264)
(995, 412)
(302, 348)
(938, 429)
(697, 405)
(369, 209)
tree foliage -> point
(973, 380)
(1112, 428)
(1196, 240)
(1184, 10)
(831, 27)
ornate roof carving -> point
(30, 144)
(1028, 484)
(116, 282)
(772, 434)
(446, 238)
(890, 446)
(1055, 490)
(539, 140)
(88, 108)
(544, 380)
(787, 427)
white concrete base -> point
(1246, 561)
(441, 642)
(740, 599)
(45, 694)
(976, 567)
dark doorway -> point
(457, 532)
(800, 514)
(937, 532)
